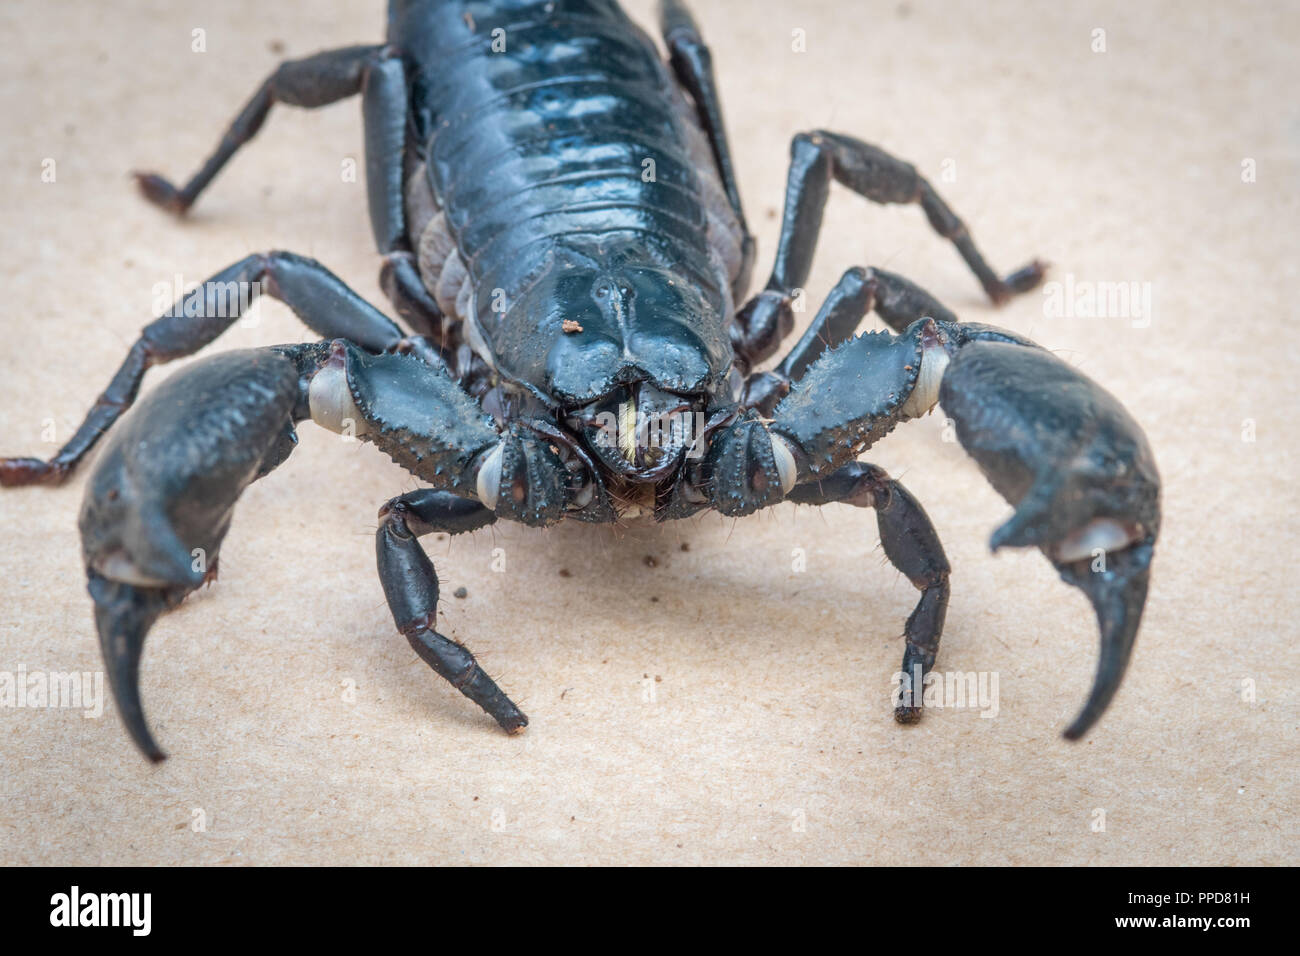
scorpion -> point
(561, 233)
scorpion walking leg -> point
(816, 159)
(913, 547)
(311, 82)
(693, 65)
(401, 282)
(317, 296)
(411, 586)
(379, 76)
(820, 156)
(384, 111)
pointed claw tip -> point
(1118, 596)
(123, 615)
(132, 713)
(1084, 722)
(138, 729)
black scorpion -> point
(560, 227)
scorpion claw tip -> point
(123, 616)
(1118, 595)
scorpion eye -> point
(489, 478)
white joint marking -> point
(925, 393)
(488, 483)
(330, 401)
(1099, 534)
(785, 466)
(120, 566)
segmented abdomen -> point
(558, 123)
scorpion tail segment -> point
(1080, 474)
(123, 615)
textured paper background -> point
(769, 738)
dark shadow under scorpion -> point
(561, 229)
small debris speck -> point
(461, 592)
(565, 573)
(649, 561)
(571, 325)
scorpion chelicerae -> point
(562, 235)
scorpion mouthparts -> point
(123, 615)
(1118, 593)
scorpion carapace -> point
(562, 237)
